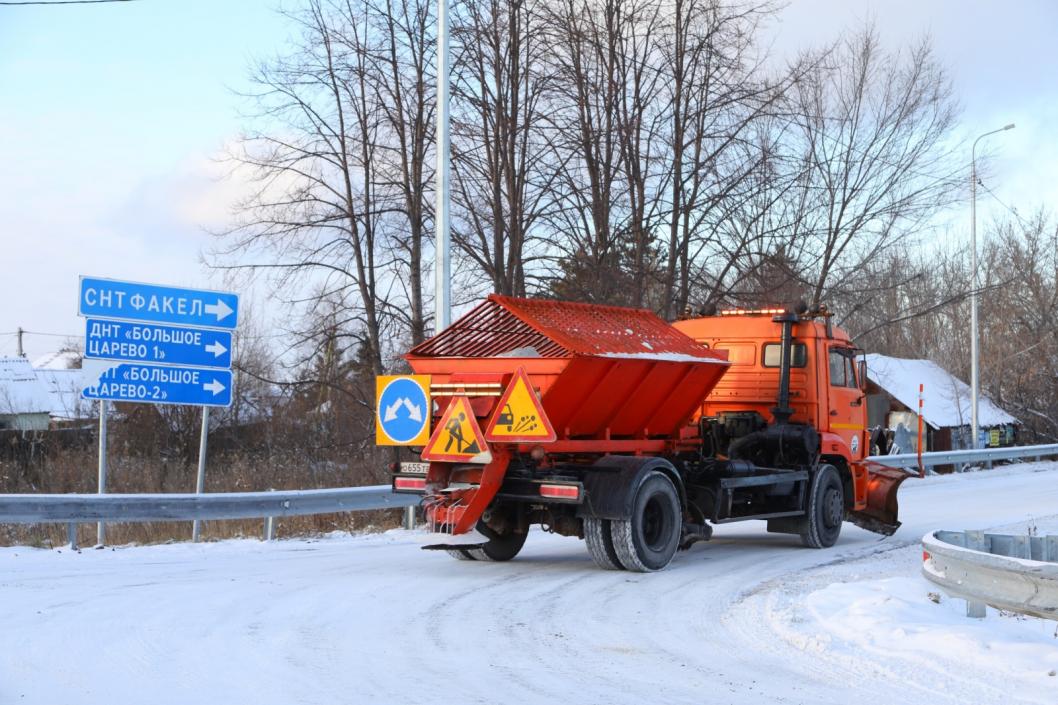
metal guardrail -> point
(963, 457)
(73, 509)
(1014, 573)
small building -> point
(63, 380)
(892, 404)
(24, 401)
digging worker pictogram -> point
(457, 437)
(455, 433)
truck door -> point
(846, 413)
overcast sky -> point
(111, 114)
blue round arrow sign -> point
(402, 410)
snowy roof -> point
(21, 392)
(64, 393)
(945, 398)
(59, 360)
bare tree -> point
(501, 184)
(1019, 320)
(584, 146)
(873, 133)
(720, 165)
(313, 154)
(401, 76)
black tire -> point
(648, 541)
(821, 526)
(600, 543)
(499, 548)
(460, 554)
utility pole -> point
(974, 373)
(21, 353)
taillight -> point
(560, 491)
(925, 556)
(411, 484)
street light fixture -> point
(974, 379)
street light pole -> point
(974, 373)
(442, 266)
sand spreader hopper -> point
(609, 381)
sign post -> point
(200, 480)
(102, 487)
(402, 416)
(156, 344)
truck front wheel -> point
(821, 525)
(648, 540)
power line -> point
(62, 2)
(51, 335)
(1002, 203)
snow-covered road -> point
(747, 618)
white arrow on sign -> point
(221, 309)
(215, 386)
(391, 411)
(414, 412)
(216, 348)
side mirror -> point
(861, 374)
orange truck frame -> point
(638, 435)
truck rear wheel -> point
(821, 525)
(499, 548)
(648, 540)
(600, 543)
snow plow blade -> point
(880, 513)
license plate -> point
(415, 468)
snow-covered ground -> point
(747, 618)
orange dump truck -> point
(635, 434)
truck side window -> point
(841, 369)
(773, 355)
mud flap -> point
(880, 513)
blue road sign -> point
(131, 301)
(403, 411)
(159, 384)
(147, 342)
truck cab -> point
(826, 376)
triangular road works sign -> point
(520, 417)
(457, 437)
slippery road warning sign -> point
(402, 410)
(520, 416)
(457, 438)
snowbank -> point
(911, 618)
